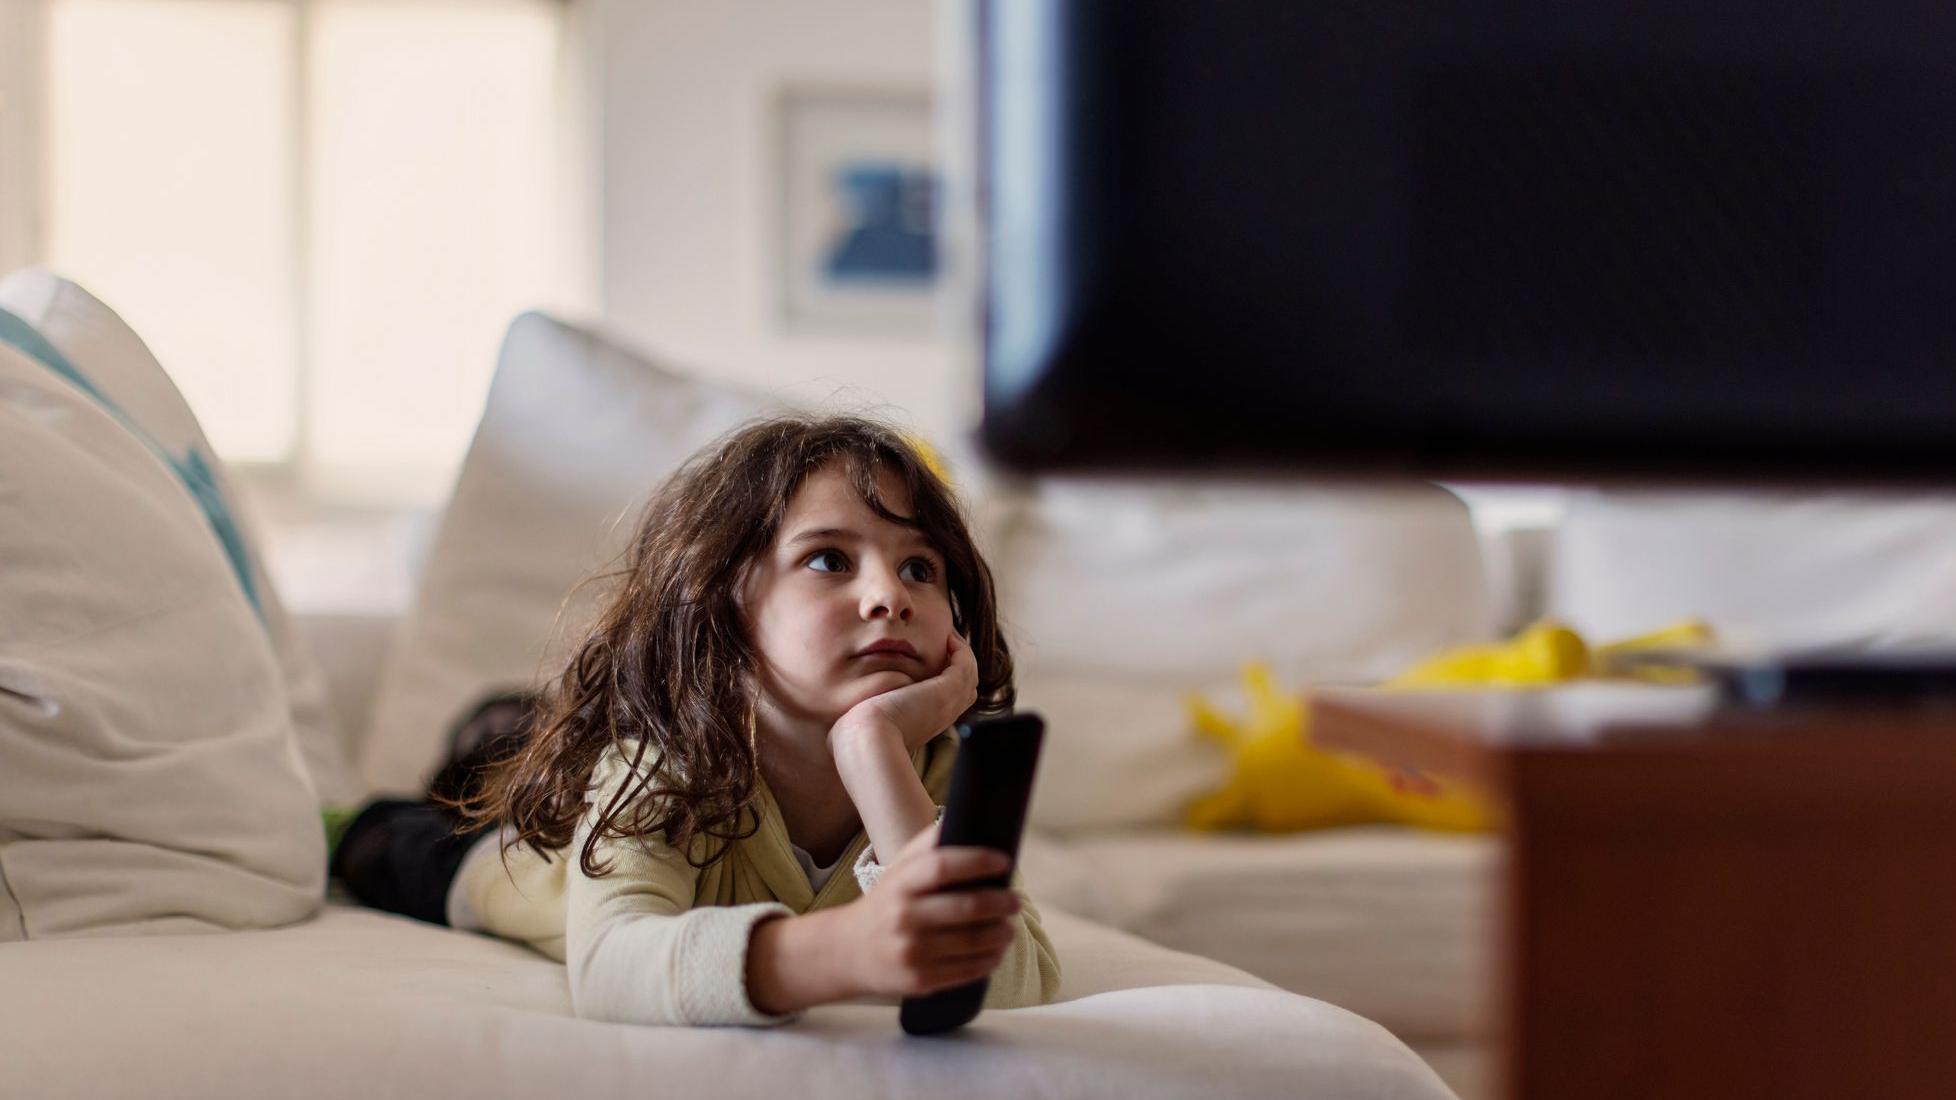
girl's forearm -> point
(792, 964)
(890, 799)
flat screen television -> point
(1704, 240)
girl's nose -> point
(885, 597)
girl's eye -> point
(916, 570)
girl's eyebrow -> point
(819, 534)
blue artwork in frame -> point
(890, 234)
(859, 243)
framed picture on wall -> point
(858, 249)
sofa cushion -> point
(1119, 598)
(150, 777)
(577, 433)
(114, 359)
(419, 1011)
(1395, 925)
(1767, 570)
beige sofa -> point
(168, 739)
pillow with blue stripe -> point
(74, 335)
(150, 774)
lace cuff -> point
(867, 870)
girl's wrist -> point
(852, 736)
(863, 746)
(876, 770)
(795, 963)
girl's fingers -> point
(964, 907)
(959, 656)
(960, 682)
(950, 974)
(971, 939)
(928, 872)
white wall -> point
(688, 223)
(21, 27)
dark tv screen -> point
(1710, 241)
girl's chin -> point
(872, 684)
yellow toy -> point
(1281, 782)
(1546, 653)
(931, 459)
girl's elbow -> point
(1047, 966)
(1029, 976)
(1049, 980)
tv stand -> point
(1703, 902)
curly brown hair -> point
(669, 668)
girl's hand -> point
(905, 938)
(917, 711)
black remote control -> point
(991, 785)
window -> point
(321, 214)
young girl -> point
(802, 617)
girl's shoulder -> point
(627, 763)
(637, 769)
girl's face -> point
(838, 580)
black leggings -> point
(402, 856)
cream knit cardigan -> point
(658, 941)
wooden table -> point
(1699, 903)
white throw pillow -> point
(1767, 570)
(150, 780)
(114, 359)
(1121, 597)
(577, 433)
